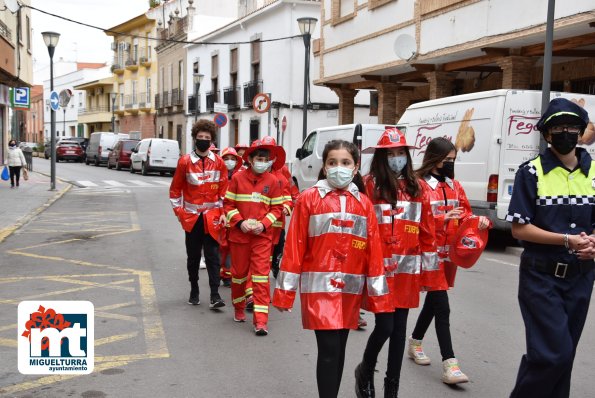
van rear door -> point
(164, 153)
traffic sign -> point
(261, 103)
(220, 119)
(220, 107)
(65, 96)
(20, 97)
(284, 124)
(54, 101)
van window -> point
(128, 145)
(308, 147)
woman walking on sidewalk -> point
(407, 235)
(16, 160)
(333, 254)
(450, 207)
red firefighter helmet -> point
(269, 143)
(391, 138)
(230, 151)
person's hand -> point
(285, 211)
(246, 227)
(223, 220)
(579, 242)
(280, 309)
(484, 222)
(454, 213)
(257, 230)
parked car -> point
(47, 151)
(155, 154)
(97, 150)
(69, 150)
(119, 155)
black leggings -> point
(196, 241)
(331, 358)
(15, 173)
(436, 305)
(391, 325)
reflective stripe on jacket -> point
(333, 255)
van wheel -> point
(162, 173)
(109, 166)
(131, 168)
(87, 162)
(96, 162)
(144, 169)
(118, 167)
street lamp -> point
(197, 78)
(113, 95)
(307, 25)
(51, 41)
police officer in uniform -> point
(552, 211)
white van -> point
(100, 143)
(308, 160)
(494, 132)
(155, 154)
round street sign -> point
(54, 101)
(261, 103)
(283, 124)
(220, 119)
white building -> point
(234, 73)
(67, 119)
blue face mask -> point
(339, 177)
(397, 163)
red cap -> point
(213, 148)
(241, 146)
(269, 143)
(468, 243)
(391, 138)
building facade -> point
(135, 74)
(255, 63)
(35, 116)
(15, 70)
(98, 110)
(406, 51)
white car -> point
(155, 154)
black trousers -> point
(391, 325)
(436, 305)
(15, 173)
(278, 253)
(196, 241)
(331, 358)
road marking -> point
(12, 343)
(140, 183)
(114, 183)
(87, 183)
(162, 182)
(495, 260)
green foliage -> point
(154, 3)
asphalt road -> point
(120, 247)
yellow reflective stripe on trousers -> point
(261, 308)
(239, 281)
(249, 292)
(239, 299)
(260, 278)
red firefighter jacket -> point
(407, 236)
(444, 196)
(332, 252)
(252, 196)
(198, 186)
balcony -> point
(94, 109)
(192, 105)
(158, 102)
(95, 114)
(165, 99)
(251, 89)
(128, 102)
(131, 64)
(212, 97)
(117, 68)
(144, 101)
(175, 96)
(231, 96)
(145, 57)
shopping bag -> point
(5, 174)
(25, 174)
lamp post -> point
(197, 78)
(307, 25)
(113, 96)
(51, 41)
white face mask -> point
(260, 167)
(230, 164)
(339, 177)
(397, 163)
(271, 163)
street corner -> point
(128, 325)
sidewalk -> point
(19, 205)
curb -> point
(6, 232)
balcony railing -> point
(144, 100)
(165, 99)
(231, 96)
(128, 101)
(192, 105)
(175, 96)
(5, 31)
(180, 101)
(250, 90)
(212, 97)
(94, 109)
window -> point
(233, 61)
(28, 26)
(181, 74)
(121, 91)
(162, 78)
(81, 100)
(342, 10)
(308, 147)
(195, 67)
(148, 90)
(377, 3)
(255, 59)
(171, 77)
(134, 99)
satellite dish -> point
(12, 5)
(405, 47)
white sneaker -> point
(202, 265)
(416, 352)
(452, 373)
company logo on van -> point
(521, 125)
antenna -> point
(405, 47)
(12, 5)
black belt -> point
(558, 269)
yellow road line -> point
(108, 315)
(96, 284)
(114, 339)
(76, 262)
(25, 278)
(115, 306)
(12, 343)
(152, 326)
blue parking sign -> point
(20, 97)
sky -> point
(80, 43)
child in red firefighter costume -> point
(450, 208)
(196, 194)
(233, 163)
(253, 202)
(407, 234)
(333, 254)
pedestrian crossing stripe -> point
(122, 184)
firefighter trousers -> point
(252, 260)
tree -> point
(154, 3)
